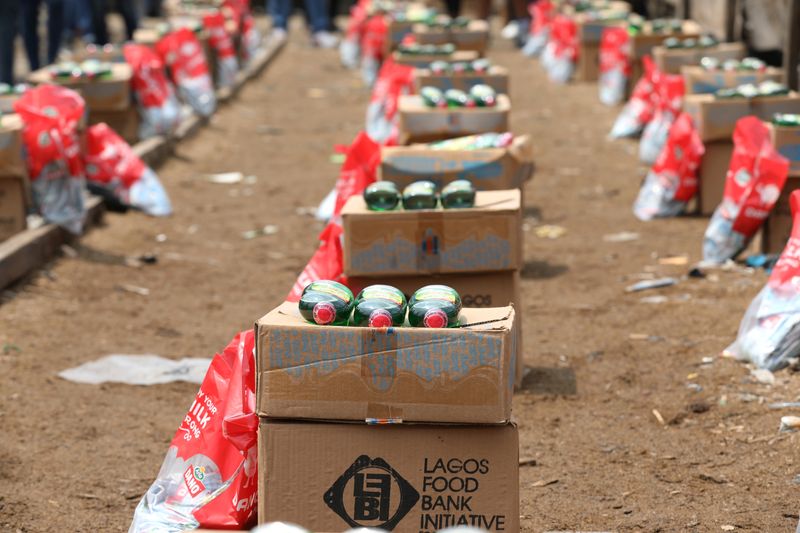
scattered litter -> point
(644, 337)
(784, 405)
(763, 375)
(727, 528)
(316, 92)
(765, 261)
(697, 273)
(654, 300)
(659, 417)
(69, 251)
(707, 361)
(266, 129)
(305, 211)
(548, 231)
(746, 397)
(229, 178)
(699, 408)
(327, 206)
(141, 291)
(623, 236)
(338, 159)
(694, 387)
(651, 284)
(138, 370)
(693, 375)
(148, 259)
(675, 260)
(161, 237)
(269, 229)
(790, 423)
(544, 482)
(527, 462)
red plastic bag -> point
(373, 40)
(561, 52)
(208, 478)
(756, 176)
(542, 14)
(50, 135)
(670, 90)
(672, 181)
(615, 66)
(641, 106)
(182, 53)
(251, 37)
(350, 47)
(222, 44)
(155, 98)
(382, 119)
(113, 169)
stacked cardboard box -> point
(420, 123)
(670, 60)
(14, 189)
(778, 225)
(644, 42)
(423, 60)
(495, 77)
(450, 455)
(699, 80)
(473, 37)
(590, 31)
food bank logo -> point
(371, 493)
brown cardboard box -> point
(12, 160)
(7, 103)
(588, 66)
(459, 375)
(712, 172)
(125, 122)
(420, 123)
(670, 60)
(786, 140)
(484, 238)
(778, 226)
(401, 478)
(496, 78)
(423, 61)
(396, 33)
(701, 81)
(488, 170)
(716, 118)
(12, 206)
(590, 30)
(474, 37)
(111, 93)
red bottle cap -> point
(324, 313)
(435, 318)
(380, 318)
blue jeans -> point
(280, 10)
(9, 14)
(30, 25)
(77, 19)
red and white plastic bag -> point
(542, 14)
(756, 176)
(382, 118)
(183, 55)
(670, 91)
(561, 53)
(221, 42)
(615, 65)
(640, 108)
(672, 181)
(51, 115)
(373, 40)
(769, 334)
(208, 477)
(350, 47)
(251, 37)
(158, 106)
(113, 169)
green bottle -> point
(440, 67)
(434, 306)
(433, 97)
(382, 196)
(689, 43)
(458, 194)
(710, 63)
(481, 65)
(380, 306)
(456, 98)
(772, 88)
(672, 42)
(786, 119)
(326, 303)
(707, 41)
(752, 63)
(459, 67)
(483, 95)
(460, 22)
(480, 141)
(420, 195)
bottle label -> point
(435, 293)
(330, 289)
(383, 293)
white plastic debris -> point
(145, 369)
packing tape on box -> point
(379, 363)
(429, 241)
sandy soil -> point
(78, 458)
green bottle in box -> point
(380, 306)
(483, 95)
(786, 119)
(456, 98)
(458, 194)
(327, 303)
(382, 196)
(434, 306)
(433, 97)
(420, 195)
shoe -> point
(325, 39)
(278, 35)
(510, 31)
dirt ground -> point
(78, 457)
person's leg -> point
(453, 7)
(484, 9)
(318, 15)
(99, 12)
(9, 17)
(154, 8)
(29, 18)
(130, 14)
(279, 10)
(55, 27)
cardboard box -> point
(459, 375)
(670, 60)
(786, 140)
(490, 169)
(125, 122)
(112, 93)
(777, 227)
(474, 37)
(7, 103)
(424, 60)
(401, 478)
(12, 206)
(590, 30)
(701, 81)
(496, 78)
(484, 238)
(12, 158)
(716, 118)
(397, 31)
(420, 123)
(588, 66)
(711, 173)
